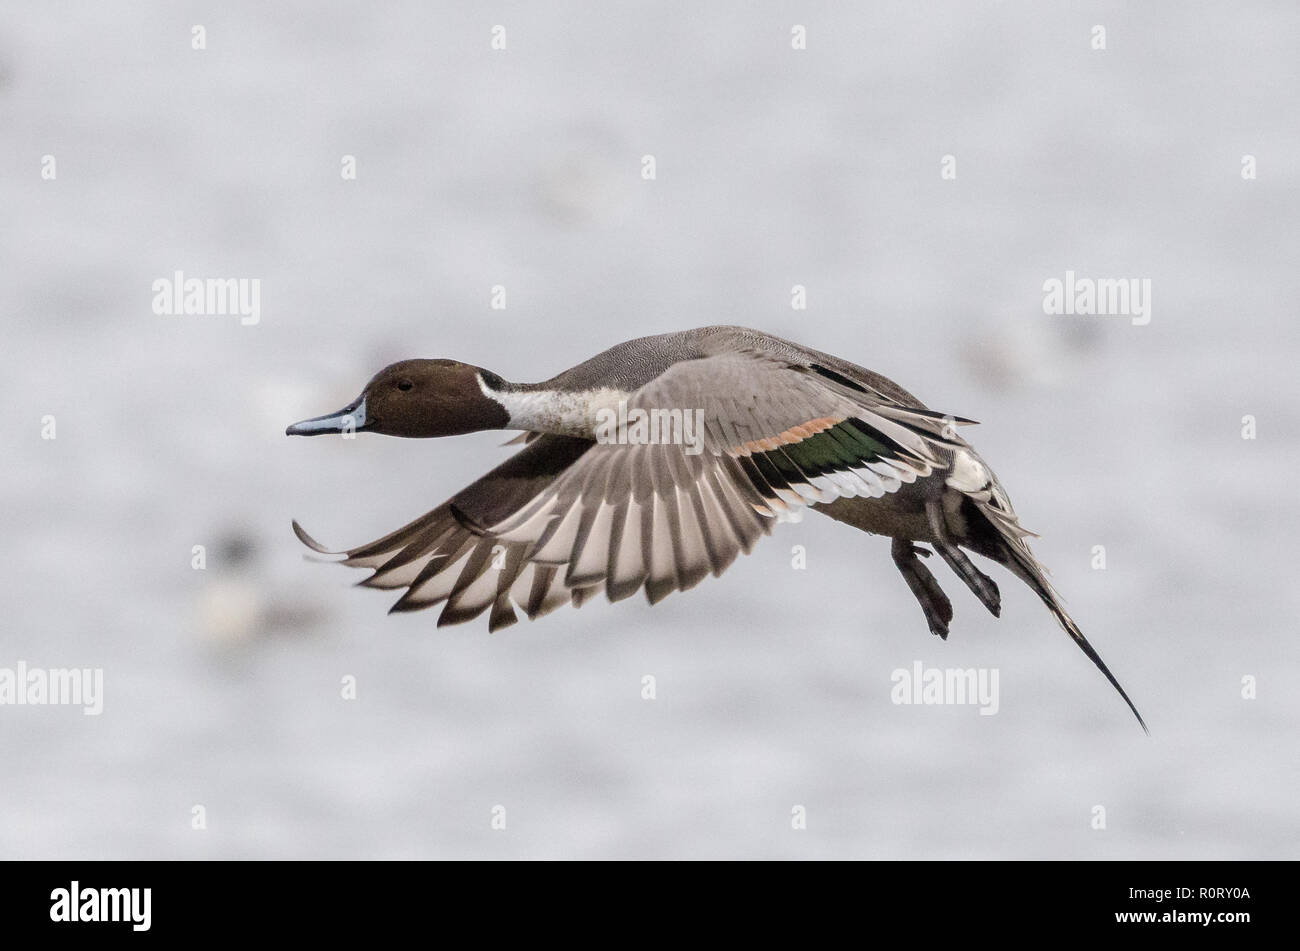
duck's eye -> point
(404, 385)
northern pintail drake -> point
(654, 464)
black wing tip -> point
(656, 591)
(499, 621)
(406, 604)
(453, 616)
(311, 542)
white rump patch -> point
(968, 473)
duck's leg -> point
(935, 604)
(984, 587)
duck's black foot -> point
(935, 604)
(985, 588)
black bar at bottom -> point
(330, 900)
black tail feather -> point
(993, 535)
(1023, 566)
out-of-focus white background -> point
(522, 168)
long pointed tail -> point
(1010, 549)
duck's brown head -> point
(417, 398)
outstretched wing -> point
(566, 518)
(440, 556)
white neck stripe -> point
(562, 412)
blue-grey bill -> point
(349, 419)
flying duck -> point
(656, 463)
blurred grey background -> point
(522, 168)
